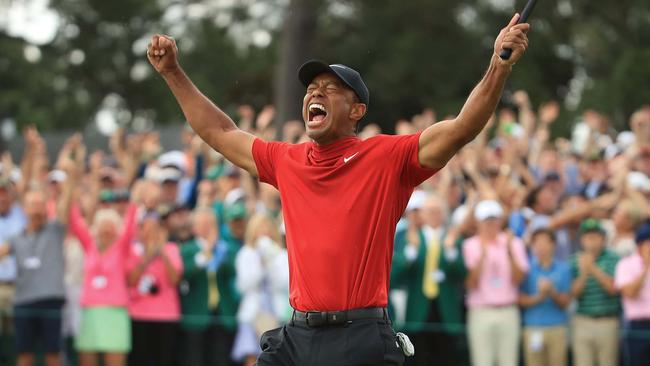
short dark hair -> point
(543, 231)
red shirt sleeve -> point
(407, 148)
(266, 155)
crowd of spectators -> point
(523, 247)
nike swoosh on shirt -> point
(345, 160)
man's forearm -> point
(483, 100)
(199, 111)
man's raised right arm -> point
(210, 123)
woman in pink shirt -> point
(633, 280)
(155, 268)
(105, 326)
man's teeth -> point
(317, 106)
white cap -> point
(15, 176)
(57, 176)
(234, 195)
(174, 159)
(459, 215)
(169, 174)
(488, 209)
(638, 181)
(417, 200)
(625, 139)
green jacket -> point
(193, 289)
(410, 274)
(226, 274)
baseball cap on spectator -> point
(612, 151)
(166, 209)
(638, 181)
(106, 196)
(488, 209)
(459, 215)
(642, 233)
(552, 176)
(169, 175)
(121, 195)
(173, 159)
(231, 171)
(15, 175)
(416, 201)
(215, 171)
(310, 69)
(590, 226)
(234, 196)
(625, 139)
(592, 156)
(234, 212)
(56, 176)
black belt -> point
(325, 318)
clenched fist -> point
(162, 53)
(513, 36)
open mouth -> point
(317, 112)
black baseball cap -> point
(351, 77)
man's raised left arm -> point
(439, 142)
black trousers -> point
(637, 343)
(195, 346)
(154, 343)
(370, 342)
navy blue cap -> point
(351, 77)
(642, 233)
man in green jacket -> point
(197, 253)
(427, 263)
(222, 272)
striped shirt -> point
(594, 300)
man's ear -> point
(358, 111)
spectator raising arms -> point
(40, 293)
(105, 325)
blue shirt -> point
(11, 224)
(546, 313)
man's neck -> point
(33, 227)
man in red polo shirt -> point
(342, 198)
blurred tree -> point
(296, 45)
(413, 54)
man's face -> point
(338, 103)
(432, 212)
(205, 226)
(490, 227)
(593, 242)
(179, 224)
(35, 208)
(543, 246)
(547, 200)
(237, 228)
(5, 200)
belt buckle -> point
(337, 317)
(316, 319)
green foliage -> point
(413, 54)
